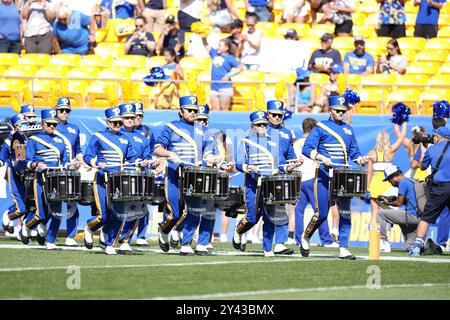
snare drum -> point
(63, 185)
(348, 182)
(149, 181)
(199, 182)
(281, 189)
(87, 187)
(126, 186)
(159, 193)
(222, 185)
(234, 203)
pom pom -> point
(351, 97)
(279, 89)
(287, 114)
(203, 28)
(400, 113)
(156, 73)
(441, 109)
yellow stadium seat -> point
(155, 61)
(430, 96)
(40, 90)
(319, 79)
(35, 59)
(9, 59)
(66, 60)
(433, 56)
(269, 29)
(410, 7)
(411, 43)
(364, 31)
(411, 81)
(446, 8)
(370, 7)
(353, 81)
(119, 29)
(318, 30)
(76, 92)
(378, 43)
(445, 68)
(410, 54)
(196, 64)
(247, 85)
(147, 95)
(428, 68)
(84, 72)
(379, 80)
(444, 19)
(410, 31)
(301, 28)
(25, 72)
(410, 97)
(130, 61)
(440, 80)
(97, 61)
(410, 19)
(11, 89)
(438, 44)
(113, 76)
(344, 43)
(444, 32)
(115, 49)
(97, 96)
(359, 18)
(2, 70)
(372, 20)
(100, 35)
(371, 101)
(52, 72)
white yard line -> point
(295, 290)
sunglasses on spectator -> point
(64, 111)
(116, 123)
(340, 111)
(51, 124)
(139, 25)
(276, 115)
(262, 124)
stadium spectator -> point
(236, 31)
(295, 11)
(171, 37)
(224, 66)
(329, 89)
(73, 40)
(291, 34)
(168, 95)
(190, 11)
(359, 61)
(393, 62)
(322, 59)
(39, 16)
(250, 43)
(305, 95)
(340, 13)
(407, 217)
(10, 27)
(86, 7)
(222, 13)
(262, 8)
(122, 9)
(140, 42)
(427, 18)
(153, 11)
(392, 18)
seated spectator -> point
(190, 11)
(393, 62)
(236, 31)
(329, 89)
(118, 9)
(73, 40)
(407, 217)
(322, 59)
(305, 95)
(291, 34)
(168, 95)
(39, 16)
(250, 43)
(140, 42)
(359, 61)
(262, 8)
(10, 27)
(153, 11)
(222, 13)
(427, 18)
(392, 18)
(171, 37)
(295, 11)
(340, 13)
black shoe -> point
(187, 254)
(164, 247)
(243, 246)
(286, 252)
(102, 244)
(40, 239)
(304, 252)
(173, 244)
(25, 240)
(88, 245)
(10, 229)
(237, 246)
(350, 257)
(201, 252)
(432, 248)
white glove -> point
(325, 160)
(362, 161)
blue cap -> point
(337, 102)
(302, 73)
(189, 102)
(139, 107)
(443, 132)
(258, 117)
(337, 68)
(28, 110)
(18, 119)
(275, 106)
(127, 109)
(49, 115)
(203, 111)
(113, 114)
(63, 103)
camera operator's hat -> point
(18, 119)
(113, 114)
(291, 33)
(28, 110)
(443, 132)
(390, 172)
(49, 115)
(337, 102)
(63, 103)
(189, 102)
(203, 111)
(127, 109)
(326, 36)
(258, 117)
(275, 106)
(139, 107)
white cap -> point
(389, 172)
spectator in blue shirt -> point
(10, 27)
(359, 61)
(73, 32)
(118, 9)
(223, 61)
(427, 18)
(262, 8)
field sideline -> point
(30, 272)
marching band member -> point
(70, 134)
(255, 159)
(29, 112)
(180, 141)
(332, 142)
(45, 150)
(107, 151)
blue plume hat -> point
(189, 102)
(63, 103)
(203, 111)
(113, 114)
(258, 117)
(302, 73)
(337, 68)
(127, 109)
(337, 102)
(139, 107)
(275, 106)
(17, 119)
(49, 115)
(156, 73)
(28, 110)
(443, 132)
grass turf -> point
(146, 275)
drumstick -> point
(337, 164)
(127, 164)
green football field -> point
(31, 272)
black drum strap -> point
(258, 195)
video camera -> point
(389, 198)
(424, 140)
